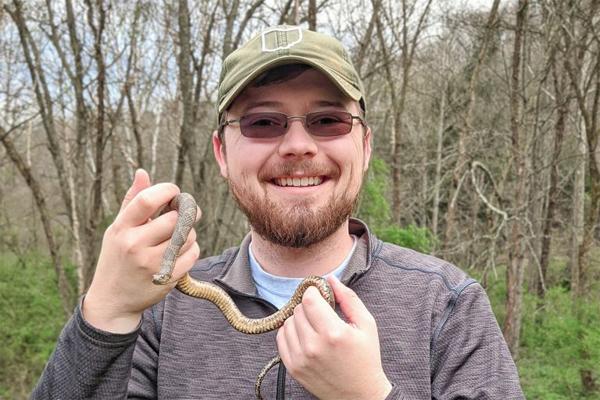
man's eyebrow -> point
(266, 103)
(330, 103)
(278, 104)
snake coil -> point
(186, 207)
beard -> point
(298, 225)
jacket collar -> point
(237, 277)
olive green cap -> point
(285, 44)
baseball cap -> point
(285, 44)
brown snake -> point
(186, 206)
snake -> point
(185, 206)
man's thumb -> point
(141, 181)
(351, 305)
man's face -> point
(296, 189)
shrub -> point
(375, 210)
(31, 321)
(413, 237)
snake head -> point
(161, 279)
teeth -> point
(299, 182)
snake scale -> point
(186, 207)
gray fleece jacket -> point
(439, 338)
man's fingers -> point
(306, 333)
(282, 347)
(158, 230)
(147, 202)
(189, 242)
(287, 339)
(188, 255)
(318, 313)
(141, 181)
(350, 304)
(186, 260)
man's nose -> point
(297, 142)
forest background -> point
(486, 129)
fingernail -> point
(136, 173)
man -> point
(293, 144)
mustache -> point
(306, 167)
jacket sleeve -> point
(470, 359)
(143, 381)
(87, 363)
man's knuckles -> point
(131, 244)
(335, 338)
(143, 202)
(311, 297)
(312, 351)
(151, 199)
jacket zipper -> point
(281, 371)
(280, 394)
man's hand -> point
(332, 358)
(132, 249)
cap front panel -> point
(284, 45)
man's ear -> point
(219, 152)
(367, 148)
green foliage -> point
(374, 207)
(554, 339)
(375, 210)
(413, 237)
(31, 321)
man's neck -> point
(318, 259)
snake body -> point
(186, 207)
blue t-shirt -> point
(278, 290)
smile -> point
(299, 181)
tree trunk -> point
(559, 133)
(515, 269)
(466, 130)
(438, 162)
(92, 235)
(312, 15)
(578, 211)
(583, 68)
(408, 46)
(64, 288)
(185, 90)
(76, 174)
(591, 222)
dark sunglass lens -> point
(329, 123)
(263, 125)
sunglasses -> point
(266, 125)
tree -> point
(399, 32)
(466, 128)
(515, 269)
